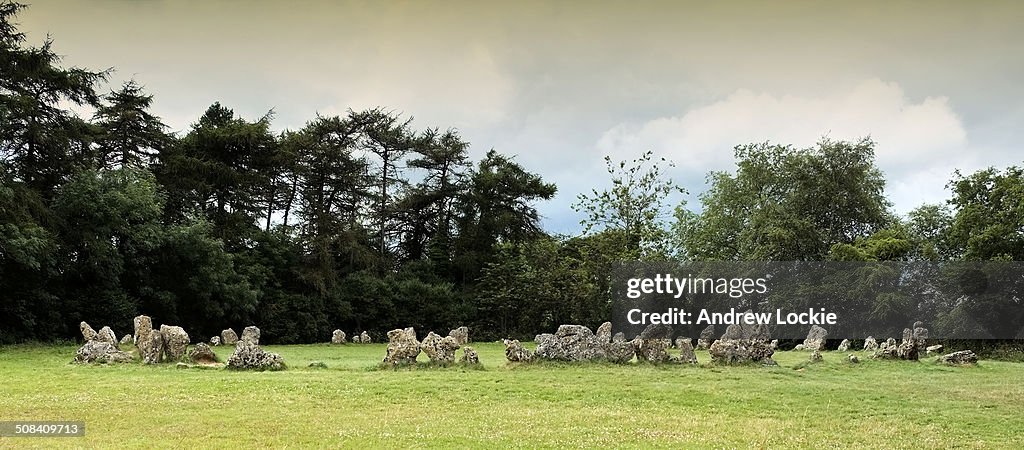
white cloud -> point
(917, 143)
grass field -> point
(351, 403)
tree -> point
(129, 134)
(41, 143)
(988, 222)
(635, 204)
(496, 207)
(788, 204)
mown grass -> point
(353, 403)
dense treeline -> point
(364, 222)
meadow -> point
(354, 403)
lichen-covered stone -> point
(886, 350)
(569, 343)
(440, 350)
(364, 337)
(515, 352)
(604, 333)
(815, 356)
(815, 338)
(95, 351)
(469, 356)
(686, 354)
(338, 337)
(126, 340)
(175, 341)
(150, 342)
(741, 351)
(251, 334)
(844, 346)
(652, 350)
(107, 335)
(870, 344)
(202, 354)
(962, 357)
(88, 333)
(854, 359)
(908, 348)
(707, 336)
(215, 341)
(228, 337)
(249, 356)
(460, 335)
(403, 348)
(932, 349)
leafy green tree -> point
(988, 222)
(788, 204)
(635, 204)
(428, 207)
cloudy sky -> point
(938, 85)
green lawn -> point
(878, 404)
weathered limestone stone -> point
(653, 343)
(815, 356)
(440, 350)
(932, 349)
(921, 337)
(854, 359)
(126, 340)
(202, 354)
(149, 341)
(774, 344)
(742, 351)
(844, 346)
(799, 347)
(514, 351)
(228, 337)
(88, 333)
(365, 338)
(107, 335)
(962, 357)
(569, 343)
(686, 355)
(338, 337)
(706, 337)
(250, 334)
(215, 341)
(461, 335)
(249, 355)
(175, 342)
(95, 351)
(619, 350)
(403, 348)
(870, 344)
(469, 356)
(908, 346)
(815, 338)
(604, 333)
(886, 350)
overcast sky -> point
(938, 85)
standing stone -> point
(469, 356)
(908, 346)
(126, 339)
(202, 354)
(249, 355)
(962, 357)
(365, 338)
(619, 350)
(228, 337)
(88, 333)
(440, 350)
(870, 344)
(652, 350)
(706, 337)
(774, 344)
(686, 354)
(886, 350)
(338, 337)
(515, 352)
(844, 346)
(815, 338)
(742, 351)
(403, 348)
(149, 341)
(921, 337)
(107, 335)
(175, 342)
(215, 341)
(604, 333)
(461, 335)
(569, 343)
(932, 349)
(854, 359)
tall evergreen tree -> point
(129, 134)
